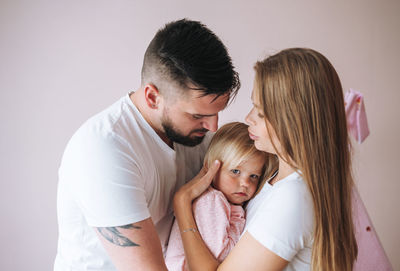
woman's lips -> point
(253, 137)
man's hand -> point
(134, 246)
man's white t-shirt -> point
(281, 218)
(116, 171)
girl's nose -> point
(244, 181)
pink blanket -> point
(219, 223)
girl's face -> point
(258, 129)
(240, 183)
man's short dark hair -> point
(190, 54)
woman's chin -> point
(264, 148)
(259, 146)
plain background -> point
(63, 61)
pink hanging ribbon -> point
(356, 116)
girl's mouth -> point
(241, 194)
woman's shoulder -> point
(292, 189)
(289, 199)
(284, 222)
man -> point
(121, 169)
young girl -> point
(302, 217)
(218, 212)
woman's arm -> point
(248, 254)
(197, 254)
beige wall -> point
(62, 61)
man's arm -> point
(134, 246)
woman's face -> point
(258, 128)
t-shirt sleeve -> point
(106, 181)
(212, 213)
(284, 223)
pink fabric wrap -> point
(371, 256)
(219, 223)
(356, 115)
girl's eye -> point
(254, 177)
(235, 171)
(261, 116)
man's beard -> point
(176, 136)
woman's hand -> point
(197, 254)
(194, 188)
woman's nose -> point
(249, 119)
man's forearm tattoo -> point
(113, 235)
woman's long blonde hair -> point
(301, 96)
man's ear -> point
(152, 96)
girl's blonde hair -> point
(301, 96)
(232, 145)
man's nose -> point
(211, 123)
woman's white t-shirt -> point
(281, 218)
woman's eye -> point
(235, 171)
(259, 112)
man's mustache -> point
(199, 131)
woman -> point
(301, 219)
